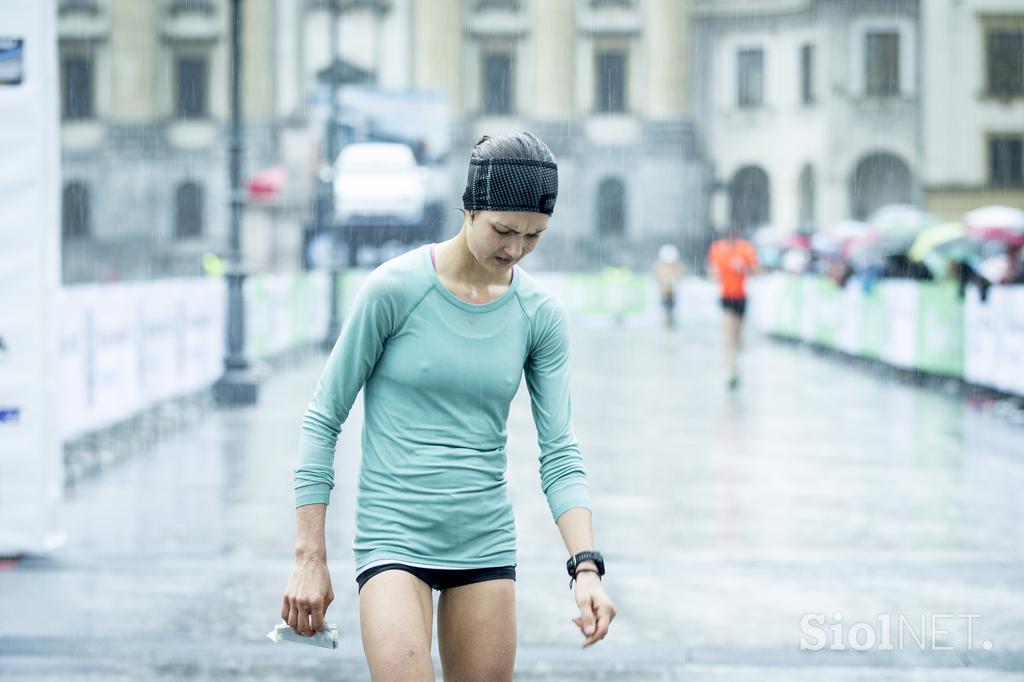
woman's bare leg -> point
(476, 631)
(733, 338)
(396, 614)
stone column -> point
(258, 38)
(668, 56)
(552, 56)
(134, 51)
(437, 48)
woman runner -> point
(730, 260)
(440, 338)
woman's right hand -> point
(307, 596)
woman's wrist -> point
(310, 553)
(584, 575)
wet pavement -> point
(725, 518)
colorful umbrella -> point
(901, 220)
(1002, 224)
(933, 237)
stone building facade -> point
(811, 108)
(821, 110)
(606, 83)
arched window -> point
(879, 180)
(807, 197)
(76, 214)
(749, 198)
(611, 208)
(188, 211)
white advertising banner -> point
(900, 300)
(979, 339)
(31, 463)
(848, 330)
(1008, 367)
(126, 347)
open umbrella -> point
(897, 226)
(997, 223)
(861, 250)
(901, 220)
(797, 240)
(933, 237)
(846, 229)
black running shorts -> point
(735, 305)
(442, 578)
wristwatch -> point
(576, 560)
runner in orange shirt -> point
(731, 260)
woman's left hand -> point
(596, 608)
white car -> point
(376, 183)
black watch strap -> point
(577, 559)
(583, 570)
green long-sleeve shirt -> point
(439, 376)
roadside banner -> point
(31, 461)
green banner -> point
(616, 291)
(827, 300)
(259, 309)
(940, 329)
(300, 313)
(790, 305)
(872, 323)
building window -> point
(807, 197)
(191, 74)
(203, 6)
(76, 217)
(77, 85)
(611, 208)
(879, 179)
(807, 74)
(882, 64)
(507, 5)
(610, 79)
(749, 198)
(1005, 161)
(498, 82)
(750, 78)
(188, 211)
(84, 6)
(1005, 52)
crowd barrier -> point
(128, 346)
(923, 326)
(611, 297)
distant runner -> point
(667, 270)
(731, 260)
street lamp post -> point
(326, 209)
(238, 385)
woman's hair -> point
(522, 145)
(512, 146)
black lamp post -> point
(238, 385)
(326, 207)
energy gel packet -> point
(327, 638)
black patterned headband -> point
(511, 185)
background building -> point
(810, 107)
(819, 110)
(145, 108)
(973, 104)
(606, 83)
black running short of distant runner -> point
(735, 305)
(442, 578)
